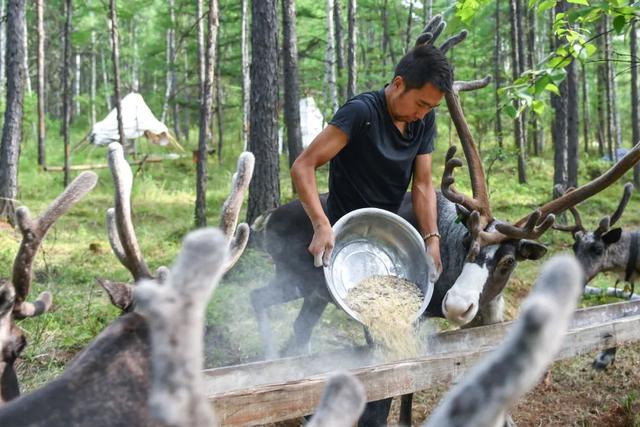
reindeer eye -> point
(597, 250)
(508, 262)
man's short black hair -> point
(425, 64)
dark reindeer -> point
(478, 251)
(14, 292)
(489, 389)
(110, 381)
(607, 249)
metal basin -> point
(371, 242)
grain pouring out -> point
(387, 306)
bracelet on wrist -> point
(427, 236)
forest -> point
(228, 76)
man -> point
(376, 143)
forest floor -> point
(76, 251)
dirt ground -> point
(572, 395)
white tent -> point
(311, 122)
(137, 120)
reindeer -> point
(109, 382)
(478, 251)
(14, 292)
(606, 249)
(490, 388)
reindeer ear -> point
(612, 236)
(530, 249)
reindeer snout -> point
(459, 308)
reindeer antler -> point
(124, 242)
(572, 198)
(175, 313)
(123, 239)
(626, 196)
(231, 209)
(33, 231)
(577, 227)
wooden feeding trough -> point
(282, 389)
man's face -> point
(413, 104)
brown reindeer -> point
(109, 382)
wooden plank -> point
(291, 399)
(282, 370)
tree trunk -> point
(497, 62)
(559, 127)
(66, 97)
(135, 68)
(264, 190)
(76, 86)
(407, 39)
(338, 31)
(428, 10)
(205, 115)
(351, 56)
(200, 43)
(291, 84)
(585, 108)
(635, 117)
(40, 88)
(3, 47)
(601, 98)
(105, 79)
(572, 125)
(116, 67)
(12, 128)
(330, 62)
(518, 128)
(219, 103)
(531, 61)
(246, 74)
(92, 94)
(387, 46)
(25, 40)
(608, 91)
(169, 94)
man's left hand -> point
(433, 249)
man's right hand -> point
(322, 245)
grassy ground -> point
(76, 251)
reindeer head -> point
(594, 248)
(14, 292)
(494, 247)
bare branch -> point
(175, 313)
(123, 182)
(342, 402)
(481, 400)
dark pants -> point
(375, 414)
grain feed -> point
(387, 305)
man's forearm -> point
(304, 180)
(425, 208)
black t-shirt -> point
(375, 167)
